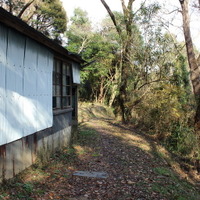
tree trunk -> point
(194, 69)
(126, 40)
(101, 92)
(115, 87)
(123, 93)
(24, 8)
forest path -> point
(135, 171)
(133, 163)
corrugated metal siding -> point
(25, 86)
(3, 45)
(76, 72)
(14, 85)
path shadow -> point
(166, 156)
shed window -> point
(62, 85)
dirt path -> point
(134, 169)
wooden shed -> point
(38, 94)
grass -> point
(36, 180)
(23, 185)
(174, 188)
(162, 171)
(32, 181)
(89, 111)
(24, 190)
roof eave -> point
(19, 25)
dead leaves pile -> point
(134, 171)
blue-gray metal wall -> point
(76, 73)
(25, 86)
(20, 154)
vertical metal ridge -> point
(6, 63)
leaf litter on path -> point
(128, 162)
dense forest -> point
(134, 65)
(143, 72)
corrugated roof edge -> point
(19, 25)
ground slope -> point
(134, 166)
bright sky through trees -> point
(96, 12)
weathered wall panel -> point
(17, 156)
(62, 129)
(44, 89)
(27, 125)
(3, 47)
(14, 86)
(25, 86)
(30, 89)
(9, 162)
(76, 72)
(20, 154)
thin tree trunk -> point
(194, 69)
(24, 8)
(101, 92)
(115, 87)
(125, 54)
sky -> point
(94, 8)
(96, 12)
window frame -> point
(62, 85)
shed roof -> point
(19, 25)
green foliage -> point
(27, 188)
(21, 190)
(47, 16)
(161, 107)
(80, 32)
(181, 75)
(50, 18)
(80, 17)
(66, 155)
(157, 93)
(163, 171)
(176, 189)
(182, 139)
(168, 115)
(99, 47)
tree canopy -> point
(135, 66)
(140, 70)
(47, 16)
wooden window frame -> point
(62, 85)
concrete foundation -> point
(20, 154)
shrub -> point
(167, 112)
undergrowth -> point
(31, 183)
(168, 115)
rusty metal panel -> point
(3, 47)
(76, 72)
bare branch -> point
(198, 60)
(130, 4)
(175, 10)
(148, 83)
(10, 6)
(124, 7)
(112, 16)
(24, 8)
(141, 5)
